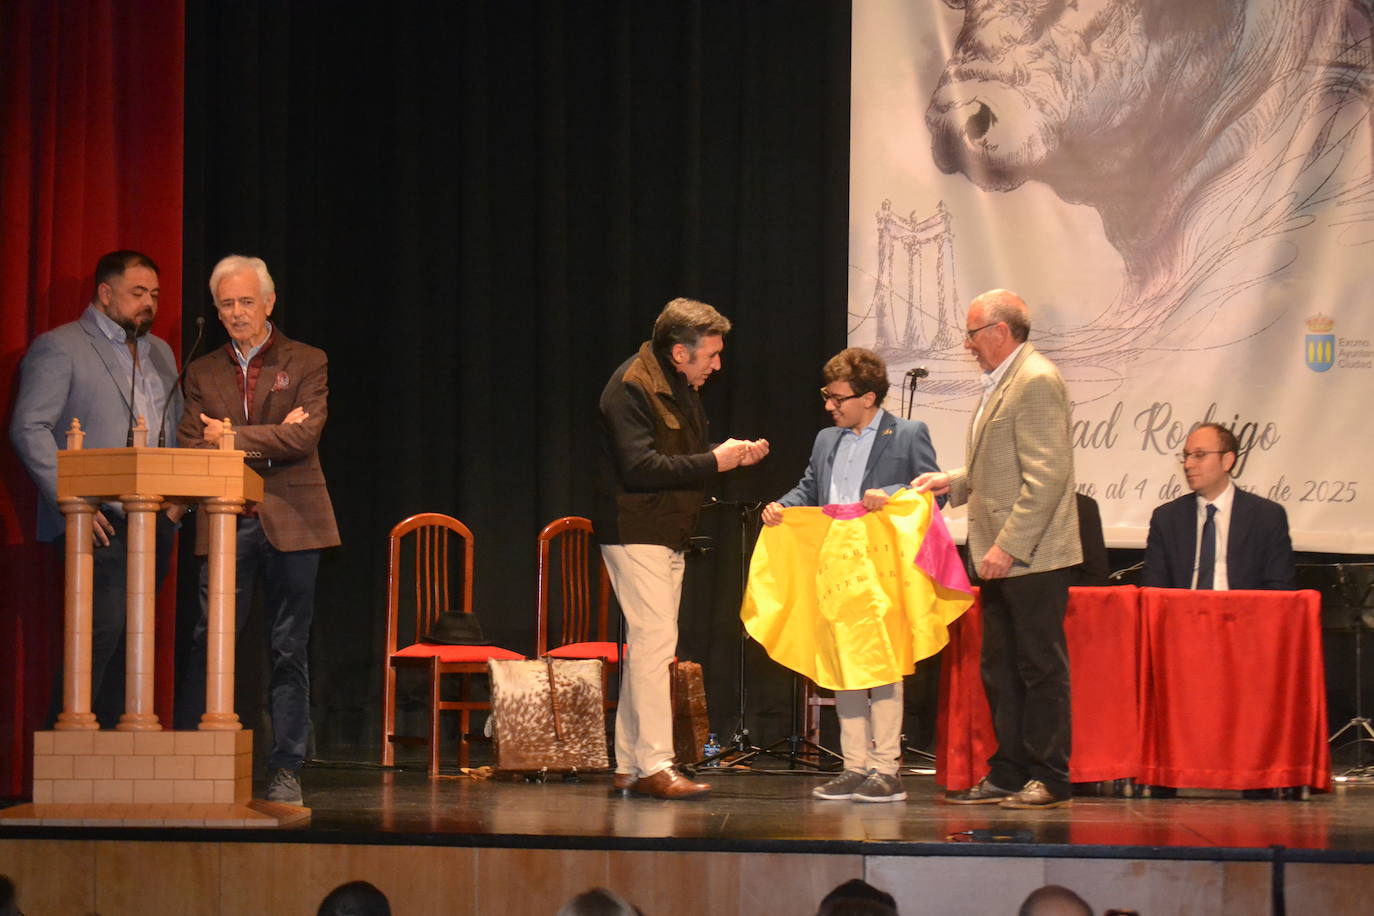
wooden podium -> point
(139, 774)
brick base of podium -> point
(153, 778)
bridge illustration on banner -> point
(916, 311)
(919, 238)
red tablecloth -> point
(1211, 690)
(1101, 625)
(1233, 692)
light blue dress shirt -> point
(851, 460)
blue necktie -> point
(1207, 555)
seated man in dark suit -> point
(1219, 536)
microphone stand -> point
(914, 375)
(739, 750)
(179, 383)
(909, 389)
(133, 379)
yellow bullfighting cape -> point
(853, 599)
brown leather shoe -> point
(1033, 795)
(623, 783)
(985, 793)
(670, 784)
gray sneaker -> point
(284, 788)
(841, 787)
(880, 787)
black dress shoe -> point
(985, 793)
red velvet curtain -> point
(90, 160)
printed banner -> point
(1184, 195)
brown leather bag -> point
(691, 724)
(548, 715)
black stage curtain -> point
(478, 209)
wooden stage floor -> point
(758, 843)
(760, 809)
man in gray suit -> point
(87, 369)
(865, 457)
(1022, 538)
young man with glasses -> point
(1218, 536)
(868, 455)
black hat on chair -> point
(453, 628)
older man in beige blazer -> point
(1023, 538)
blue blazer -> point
(1259, 553)
(69, 372)
(901, 452)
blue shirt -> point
(851, 460)
(150, 394)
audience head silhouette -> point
(9, 899)
(1053, 900)
(857, 897)
(356, 898)
(598, 902)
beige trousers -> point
(871, 728)
(647, 580)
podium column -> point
(76, 712)
(221, 632)
(140, 614)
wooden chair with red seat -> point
(568, 561)
(420, 553)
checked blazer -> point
(1018, 481)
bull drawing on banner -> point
(1208, 135)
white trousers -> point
(647, 579)
(871, 728)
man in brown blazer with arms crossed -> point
(1023, 538)
(275, 391)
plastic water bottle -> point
(711, 751)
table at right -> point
(1232, 690)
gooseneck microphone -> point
(909, 389)
(133, 377)
(181, 377)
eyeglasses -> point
(1183, 457)
(968, 335)
(228, 305)
(827, 397)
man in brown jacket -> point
(275, 391)
(1023, 540)
(654, 466)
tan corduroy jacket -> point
(1018, 482)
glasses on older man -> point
(968, 335)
